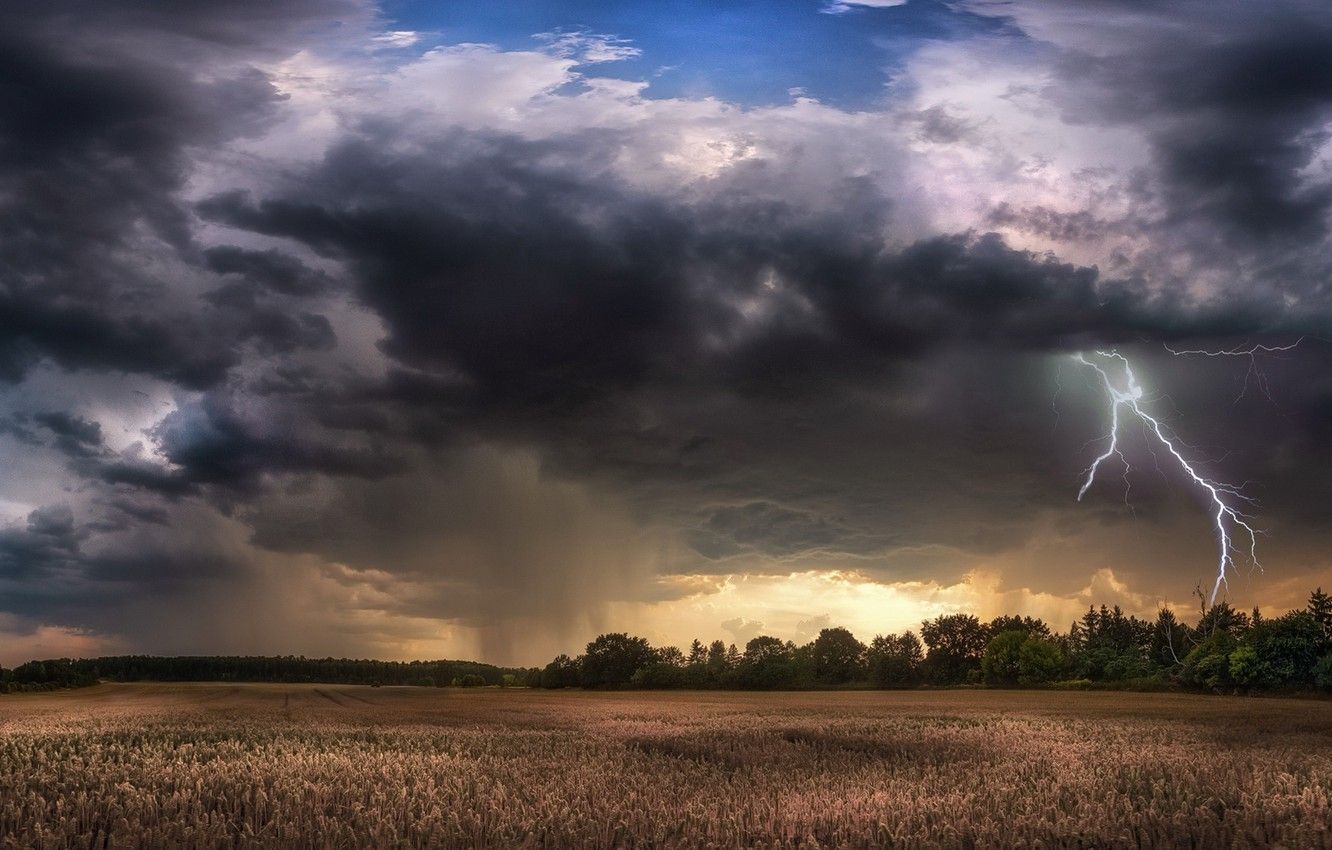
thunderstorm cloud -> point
(333, 330)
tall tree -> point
(698, 654)
(1171, 639)
(895, 660)
(1000, 661)
(838, 656)
(956, 643)
(1026, 625)
(768, 663)
(1320, 606)
(612, 659)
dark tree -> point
(1320, 607)
(1171, 640)
(764, 648)
(671, 656)
(1221, 617)
(1039, 661)
(560, 673)
(698, 654)
(1109, 645)
(1279, 653)
(956, 643)
(1208, 664)
(1000, 662)
(733, 657)
(768, 662)
(838, 656)
(612, 659)
(1026, 625)
(895, 661)
(717, 664)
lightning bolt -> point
(1254, 372)
(1228, 520)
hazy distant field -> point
(315, 766)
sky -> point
(473, 330)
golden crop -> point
(338, 766)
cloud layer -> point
(319, 335)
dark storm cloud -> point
(139, 511)
(1079, 226)
(96, 135)
(49, 541)
(541, 287)
(210, 445)
(75, 436)
(568, 358)
(771, 529)
(769, 344)
(1233, 97)
(266, 269)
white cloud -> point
(588, 48)
(840, 7)
(396, 39)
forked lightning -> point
(1228, 519)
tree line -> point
(77, 672)
(1225, 651)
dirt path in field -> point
(328, 696)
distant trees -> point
(1027, 625)
(666, 670)
(1170, 640)
(66, 672)
(1320, 608)
(1227, 651)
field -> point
(338, 766)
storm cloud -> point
(460, 348)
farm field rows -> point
(218, 765)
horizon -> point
(1221, 608)
(403, 330)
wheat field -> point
(157, 765)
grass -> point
(338, 766)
